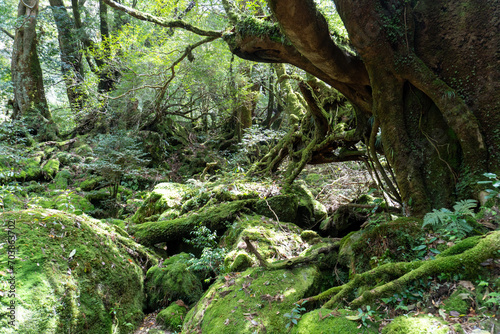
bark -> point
(71, 56)
(29, 92)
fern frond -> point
(465, 207)
(437, 218)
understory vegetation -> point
(203, 169)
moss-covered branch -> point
(399, 275)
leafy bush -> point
(211, 260)
(452, 223)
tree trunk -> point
(29, 93)
(71, 57)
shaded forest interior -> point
(265, 166)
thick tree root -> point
(293, 262)
(399, 275)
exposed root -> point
(399, 275)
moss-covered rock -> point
(419, 325)
(460, 301)
(61, 200)
(50, 168)
(73, 274)
(91, 183)
(165, 196)
(254, 300)
(172, 281)
(325, 321)
(62, 179)
(172, 317)
(67, 159)
(281, 207)
(391, 241)
(274, 241)
(214, 217)
(9, 201)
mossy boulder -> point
(460, 301)
(250, 301)
(61, 200)
(165, 196)
(281, 207)
(61, 180)
(50, 168)
(391, 241)
(325, 321)
(67, 159)
(274, 241)
(11, 201)
(172, 281)
(172, 317)
(172, 231)
(73, 274)
(91, 183)
(417, 325)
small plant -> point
(211, 261)
(425, 248)
(295, 315)
(452, 223)
(363, 316)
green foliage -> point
(363, 316)
(117, 155)
(294, 315)
(211, 261)
(495, 183)
(452, 223)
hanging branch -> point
(161, 21)
(7, 33)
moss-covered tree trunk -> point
(432, 71)
(29, 92)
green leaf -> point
(353, 317)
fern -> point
(465, 207)
(452, 223)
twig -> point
(251, 249)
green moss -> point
(11, 202)
(214, 217)
(51, 168)
(61, 180)
(56, 293)
(241, 262)
(420, 325)
(459, 301)
(67, 159)
(282, 206)
(84, 150)
(165, 196)
(90, 183)
(309, 235)
(389, 242)
(273, 241)
(172, 317)
(325, 321)
(462, 246)
(244, 302)
(170, 282)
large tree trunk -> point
(71, 57)
(435, 92)
(29, 93)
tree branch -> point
(7, 33)
(162, 22)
